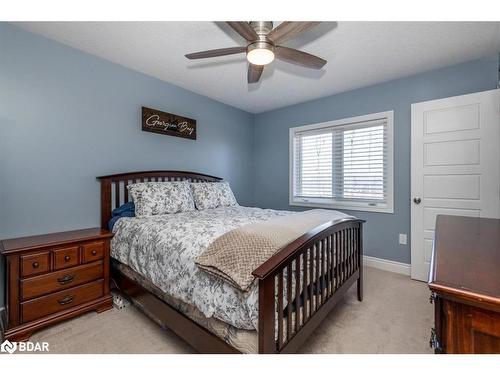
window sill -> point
(347, 206)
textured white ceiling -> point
(358, 53)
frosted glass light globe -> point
(260, 56)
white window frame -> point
(355, 206)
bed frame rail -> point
(302, 283)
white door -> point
(455, 166)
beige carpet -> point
(395, 317)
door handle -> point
(417, 200)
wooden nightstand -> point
(54, 277)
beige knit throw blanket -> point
(237, 253)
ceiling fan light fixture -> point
(264, 44)
(260, 53)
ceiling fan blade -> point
(254, 73)
(294, 56)
(244, 29)
(216, 52)
(287, 30)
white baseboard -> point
(387, 265)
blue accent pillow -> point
(127, 207)
(125, 210)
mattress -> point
(163, 248)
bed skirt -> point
(245, 341)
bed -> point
(293, 292)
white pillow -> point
(212, 195)
(158, 198)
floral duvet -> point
(163, 249)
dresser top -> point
(466, 258)
(52, 239)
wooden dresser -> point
(465, 285)
(54, 277)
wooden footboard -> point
(301, 284)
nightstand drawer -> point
(34, 264)
(52, 303)
(55, 281)
(93, 251)
(67, 257)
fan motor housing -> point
(261, 27)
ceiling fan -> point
(264, 44)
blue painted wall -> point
(67, 117)
(381, 230)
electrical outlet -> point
(403, 239)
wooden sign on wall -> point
(166, 123)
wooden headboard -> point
(114, 191)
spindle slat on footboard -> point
(319, 268)
(305, 294)
(297, 293)
(311, 278)
(289, 301)
(280, 310)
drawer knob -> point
(67, 258)
(35, 264)
(94, 252)
(65, 279)
(66, 300)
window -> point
(346, 164)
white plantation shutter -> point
(346, 163)
(314, 165)
(360, 169)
